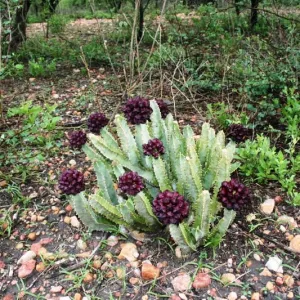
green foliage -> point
(291, 113)
(20, 147)
(194, 168)
(57, 23)
(41, 67)
(222, 115)
(262, 162)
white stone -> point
(232, 296)
(287, 220)
(295, 244)
(81, 244)
(74, 222)
(181, 283)
(275, 264)
(112, 241)
(26, 257)
(256, 257)
(268, 206)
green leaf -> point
(161, 174)
(88, 217)
(105, 183)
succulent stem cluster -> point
(182, 185)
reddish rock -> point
(8, 297)
(174, 297)
(149, 271)
(202, 280)
(2, 264)
(279, 281)
(27, 268)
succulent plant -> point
(77, 139)
(131, 183)
(170, 207)
(154, 148)
(96, 122)
(163, 107)
(233, 194)
(71, 182)
(137, 110)
(238, 132)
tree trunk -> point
(254, 13)
(52, 6)
(19, 27)
(237, 7)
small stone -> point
(67, 220)
(287, 220)
(229, 263)
(227, 278)
(74, 222)
(77, 296)
(2, 265)
(275, 264)
(295, 244)
(255, 296)
(97, 264)
(26, 268)
(181, 283)
(80, 244)
(32, 236)
(19, 246)
(182, 296)
(288, 280)
(202, 280)
(178, 253)
(270, 286)
(72, 162)
(290, 295)
(40, 267)
(232, 296)
(139, 236)
(88, 278)
(145, 297)
(112, 241)
(278, 199)
(134, 280)
(128, 252)
(282, 228)
(3, 183)
(174, 297)
(149, 271)
(268, 206)
(69, 208)
(279, 281)
(249, 263)
(256, 257)
(56, 289)
(27, 256)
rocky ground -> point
(48, 254)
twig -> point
(80, 264)
(266, 237)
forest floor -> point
(61, 260)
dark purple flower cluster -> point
(233, 194)
(154, 148)
(131, 183)
(238, 132)
(170, 207)
(96, 122)
(71, 182)
(164, 110)
(77, 139)
(137, 110)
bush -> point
(264, 163)
(57, 23)
(187, 174)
